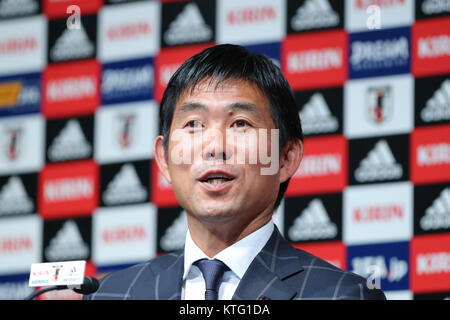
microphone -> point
(90, 285)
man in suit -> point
(230, 140)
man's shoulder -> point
(118, 284)
(311, 261)
(308, 261)
(154, 265)
(322, 277)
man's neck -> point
(212, 237)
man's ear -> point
(161, 158)
(290, 159)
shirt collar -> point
(237, 256)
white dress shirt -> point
(237, 257)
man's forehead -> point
(213, 84)
(230, 108)
(242, 91)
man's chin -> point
(215, 213)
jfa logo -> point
(384, 268)
(375, 269)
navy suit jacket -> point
(279, 272)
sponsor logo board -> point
(124, 234)
(378, 106)
(430, 154)
(432, 208)
(129, 31)
(66, 44)
(375, 160)
(247, 21)
(185, 23)
(71, 89)
(67, 239)
(320, 111)
(385, 265)
(311, 15)
(68, 189)
(20, 243)
(379, 53)
(18, 194)
(22, 50)
(314, 60)
(172, 228)
(388, 216)
(369, 14)
(21, 144)
(430, 263)
(432, 100)
(20, 94)
(313, 218)
(127, 81)
(125, 183)
(431, 47)
(69, 139)
(123, 132)
(323, 168)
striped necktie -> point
(212, 271)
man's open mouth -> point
(216, 179)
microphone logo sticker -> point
(57, 273)
(57, 270)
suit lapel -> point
(170, 280)
(162, 279)
(264, 279)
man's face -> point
(215, 177)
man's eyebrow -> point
(192, 106)
(232, 107)
(244, 106)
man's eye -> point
(194, 124)
(240, 124)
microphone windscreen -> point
(90, 285)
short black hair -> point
(225, 62)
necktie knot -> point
(212, 271)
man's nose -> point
(214, 144)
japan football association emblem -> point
(379, 104)
(125, 130)
(11, 143)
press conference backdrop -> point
(80, 86)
